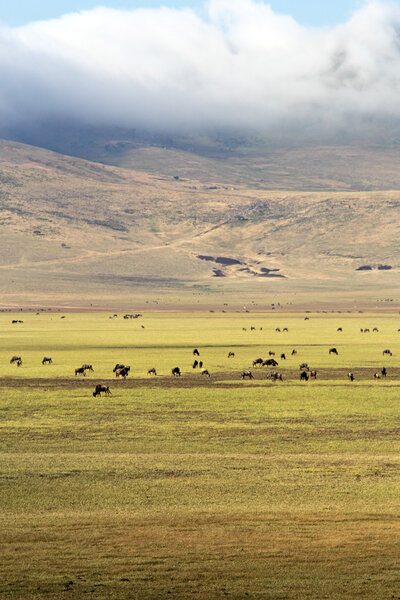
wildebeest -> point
(195, 364)
(350, 376)
(313, 374)
(333, 351)
(306, 318)
(375, 329)
(339, 329)
(87, 367)
(271, 362)
(205, 372)
(304, 376)
(101, 388)
(252, 328)
(124, 372)
(304, 366)
(366, 330)
(275, 376)
(196, 352)
(294, 352)
(152, 371)
(46, 360)
(277, 330)
(246, 374)
(285, 329)
(387, 352)
(200, 364)
(15, 359)
(118, 366)
(377, 376)
(271, 353)
(383, 372)
(258, 361)
(80, 371)
(231, 355)
(176, 372)
(283, 356)
(19, 363)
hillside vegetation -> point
(71, 226)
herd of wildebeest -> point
(306, 373)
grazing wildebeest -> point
(306, 318)
(304, 376)
(15, 359)
(275, 376)
(196, 352)
(87, 367)
(339, 329)
(19, 363)
(271, 362)
(366, 331)
(205, 372)
(313, 374)
(247, 374)
(244, 329)
(118, 366)
(195, 364)
(333, 351)
(351, 376)
(283, 356)
(285, 329)
(252, 328)
(80, 371)
(258, 361)
(271, 353)
(387, 352)
(101, 388)
(377, 376)
(383, 372)
(231, 355)
(152, 371)
(46, 360)
(277, 330)
(124, 372)
(176, 372)
(294, 352)
(304, 366)
(375, 329)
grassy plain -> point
(196, 487)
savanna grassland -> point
(199, 487)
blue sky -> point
(307, 12)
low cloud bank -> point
(237, 65)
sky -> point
(306, 12)
(233, 64)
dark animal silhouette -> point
(200, 364)
(80, 371)
(46, 360)
(271, 362)
(351, 376)
(304, 366)
(285, 329)
(231, 355)
(15, 359)
(205, 372)
(304, 376)
(87, 367)
(333, 351)
(313, 374)
(246, 375)
(176, 372)
(118, 366)
(19, 363)
(252, 328)
(124, 372)
(377, 376)
(101, 388)
(387, 352)
(339, 329)
(275, 376)
(196, 352)
(375, 329)
(195, 364)
(152, 371)
(283, 356)
(277, 330)
(294, 352)
(383, 372)
(271, 353)
(258, 361)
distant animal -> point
(304, 366)
(231, 355)
(46, 360)
(283, 356)
(152, 371)
(387, 352)
(306, 318)
(257, 362)
(87, 367)
(377, 376)
(246, 375)
(176, 372)
(275, 376)
(375, 329)
(244, 329)
(80, 371)
(124, 372)
(333, 351)
(362, 330)
(19, 363)
(285, 329)
(101, 388)
(14, 359)
(304, 376)
(195, 364)
(350, 376)
(200, 364)
(271, 353)
(313, 374)
(196, 352)
(293, 352)
(366, 331)
(16, 321)
(205, 372)
(118, 366)
(271, 362)
(383, 372)
(339, 329)
(277, 330)
(252, 328)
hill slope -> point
(73, 227)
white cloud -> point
(242, 65)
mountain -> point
(186, 220)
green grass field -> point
(194, 487)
